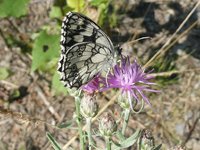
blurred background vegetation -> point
(42, 45)
(29, 52)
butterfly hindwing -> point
(82, 62)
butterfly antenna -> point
(118, 47)
(142, 38)
(118, 35)
(119, 51)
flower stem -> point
(126, 118)
(108, 143)
(88, 124)
(79, 123)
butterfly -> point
(85, 50)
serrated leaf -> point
(76, 4)
(4, 73)
(45, 48)
(15, 8)
(55, 12)
(57, 85)
(126, 143)
(54, 143)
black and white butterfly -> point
(85, 50)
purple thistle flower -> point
(131, 79)
(92, 86)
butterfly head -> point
(119, 50)
(117, 54)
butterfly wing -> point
(86, 50)
(77, 28)
(82, 62)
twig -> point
(190, 132)
(14, 25)
(4, 38)
(50, 108)
(25, 118)
(179, 37)
(172, 37)
(169, 73)
(19, 116)
(9, 84)
(136, 40)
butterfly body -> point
(85, 50)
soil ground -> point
(174, 115)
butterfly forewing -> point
(77, 28)
(86, 50)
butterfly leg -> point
(107, 77)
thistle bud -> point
(107, 125)
(88, 106)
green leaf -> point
(15, 94)
(45, 48)
(54, 143)
(128, 142)
(98, 2)
(76, 4)
(52, 65)
(55, 12)
(67, 124)
(15, 8)
(158, 147)
(57, 85)
(120, 136)
(4, 73)
(103, 10)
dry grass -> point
(173, 117)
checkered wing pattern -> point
(85, 50)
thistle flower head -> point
(130, 79)
(92, 86)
